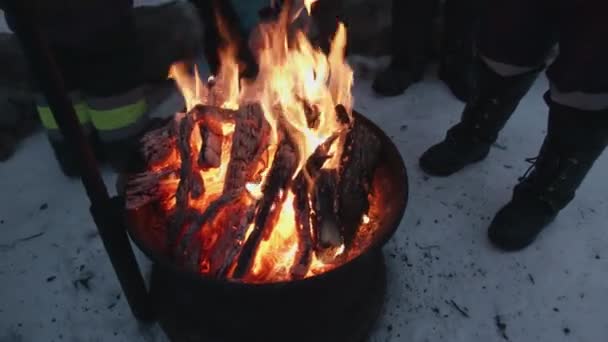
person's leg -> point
(515, 38)
(112, 82)
(457, 48)
(63, 55)
(412, 26)
(577, 131)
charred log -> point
(342, 115)
(210, 155)
(359, 161)
(144, 188)
(269, 208)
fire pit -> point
(265, 204)
(340, 304)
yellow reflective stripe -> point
(48, 120)
(118, 117)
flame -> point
(308, 5)
(276, 255)
(298, 88)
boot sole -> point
(515, 246)
(434, 173)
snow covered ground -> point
(56, 283)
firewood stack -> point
(223, 237)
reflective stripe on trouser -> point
(506, 70)
(580, 100)
(118, 117)
(48, 120)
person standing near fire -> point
(411, 45)
(515, 39)
(93, 43)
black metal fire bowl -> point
(338, 305)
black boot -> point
(575, 139)
(412, 24)
(487, 112)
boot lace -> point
(561, 171)
(532, 161)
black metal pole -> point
(106, 217)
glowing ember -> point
(255, 178)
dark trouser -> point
(461, 18)
(412, 28)
(517, 35)
(103, 63)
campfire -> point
(265, 180)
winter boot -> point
(456, 63)
(574, 140)
(412, 25)
(486, 113)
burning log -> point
(158, 144)
(144, 188)
(190, 184)
(269, 208)
(325, 214)
(230, 243)
(212, 115)
(210, 121)
(302, 203)
(359, 162)
(250, 140)
(189, 247)
(301, 206)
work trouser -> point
(101, 71)
(516, 37)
